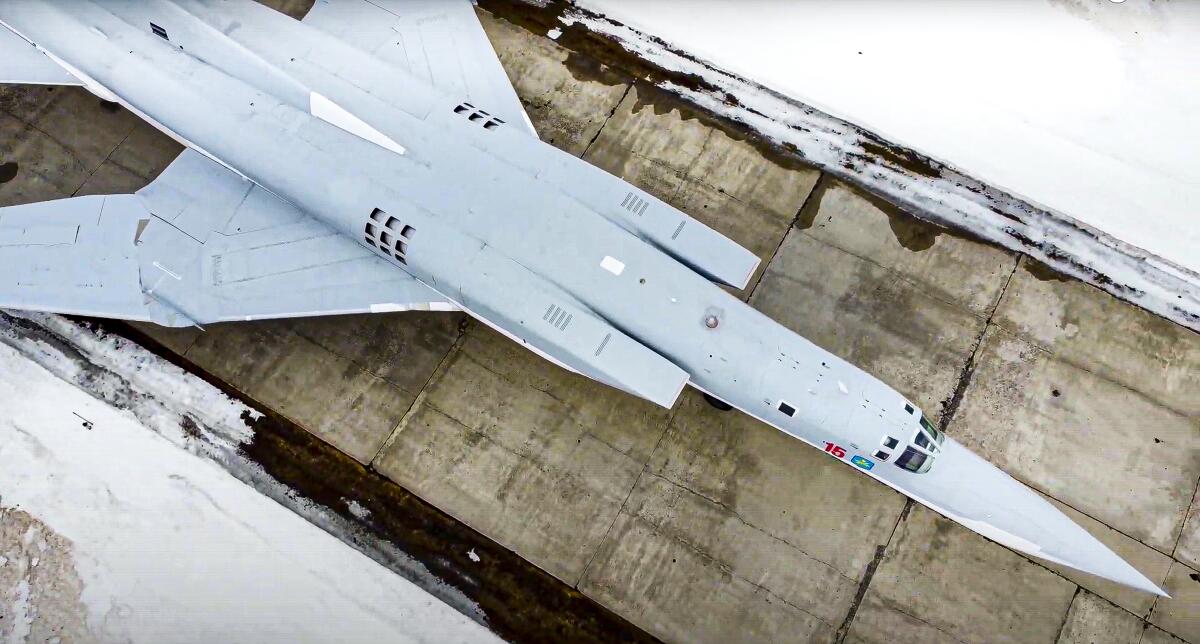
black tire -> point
(718, 403)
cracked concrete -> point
(935, 569)
(704, 526)
(1091, 620)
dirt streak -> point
(521, 602)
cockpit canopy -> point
(919, 454)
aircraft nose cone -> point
(985, 499)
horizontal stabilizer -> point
(23, 63)
(200, 244)
(73, 256)
(223, 248)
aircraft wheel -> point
(719, 404)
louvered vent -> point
(387, 235)
(635, 204)
(603, 343)
(478, 116)
(557, 317)
(678, 229)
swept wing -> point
(440, 41)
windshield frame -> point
(925, 444)
(934, 432)
(924, 460)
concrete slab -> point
(88, 127)
(26, 102)
(1154, 635)
(1149, 561)
(1180, 615)
(1094, 444)
(110, 179)
(726, 563)
(777, 485)
(877, 621)
(537, 458)
(146, 152)
(176, 340)
(676, 593)
(294, 8)
(567, 102)
(653, 146)
(308, 372)
(870, 316)
(46, 169)
(739, 169)
(944, 266)
(1093, 620)
(1188, 550)
(66, 141)
(401, 348)
(1084, 326)
(943, 582)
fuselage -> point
(245, 86)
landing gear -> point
(718, 403)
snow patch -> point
(162, 396)
(1092, 114)
(939, 193)
(357, 509)
(124, 492)
(22, 621)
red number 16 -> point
(835, 450)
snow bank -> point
(1088, 107)
(167, 544)
(1107, 193)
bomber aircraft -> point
(374, 157)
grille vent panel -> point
(479, 117)
(635, 204)
(385, 234)
(557, 317)
(603, 343)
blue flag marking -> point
(864, 463)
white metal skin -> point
(514, 231)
